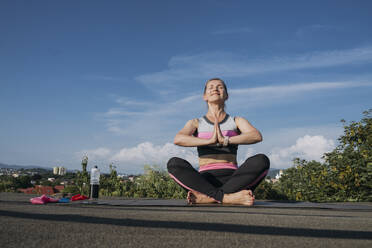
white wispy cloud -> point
(306, 147)
(148, 153)
(254, 95)
(121, 112)
(133, 159)
(206, 65)
(311, 29)
(245, 152)
(96, 156)
(123, 120)
(298, 87)
(282, 145)
(132, 121)
(126, 101)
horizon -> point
(116, 81)
(29, 166)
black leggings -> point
(215, 183)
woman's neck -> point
(216, 109)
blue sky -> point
(116, 80)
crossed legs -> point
(223, 186)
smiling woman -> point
(217, 136)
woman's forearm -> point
(187, 140)
(246, 138)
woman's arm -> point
(185, 136)
(249, 134)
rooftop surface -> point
(119, 222)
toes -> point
(191, 198)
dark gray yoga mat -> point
(261, 204)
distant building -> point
(59, 170)
(279, 175)
(62, 171)
(51, 179)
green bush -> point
(269, 191)
(154, 183)
(346, 174)
(6, 184)
(72, 189)
(306, 181)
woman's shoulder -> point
(243, 124)
(193, 122)
(240, 122)
(239, 119)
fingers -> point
(217, 134)
(220, 136)
(214, 138)
(215, 119)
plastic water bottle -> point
(94, 182)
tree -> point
(346, 174)
(111, 185)
(36, 177)
(351, 162)
(269, 191)
(22, 182)
(156, 183)
(72, 189)
(82, 178)
(306, 181)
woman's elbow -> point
(177, 140)
(259, 137)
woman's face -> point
(215, 92)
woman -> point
(217, 136)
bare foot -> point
(244, 197)
(191, 199)
(194, 197)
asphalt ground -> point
(118, 223)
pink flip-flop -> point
(39, 200)
(43, 200)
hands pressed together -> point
(217, 137)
